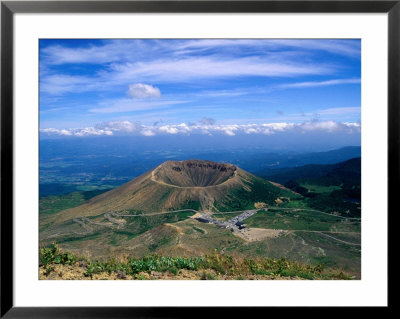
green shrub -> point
(53, 255)
(207, 276)
(220, 263)
(162, 264)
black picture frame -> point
(9, 8)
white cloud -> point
(124, 61)
(60, 83)
(124, 50)
(251, 130)
(341, 47)
(143, 91)
(318, 83)
(279, 126)
(329, 126)
(168, 129)
(57, 131)
(147, 132)
(119, 126)
(127, 61)
(316, 125)
(127, 127)
(169, 70)
(107, 52)
(179, 70)
(87, 131)
(339, 110)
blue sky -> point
(204, 86)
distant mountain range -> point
(348, 172)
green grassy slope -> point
(261, 191)
(330, 188)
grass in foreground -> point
(213, 266)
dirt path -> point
(313, 210)
(154, 214)
(82, 223)
(255, 234)
(325, 233)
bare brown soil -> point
(257, 234)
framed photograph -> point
(165, 154)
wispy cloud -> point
(311, 84)
(339, 111)
(122, 62)
(104, 52)
(341, 47)
(129, 105)
(211, 67)
(57, 84)
(236, 81)
(123, 50)
(179, 70)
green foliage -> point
(337, 189)
(140, 277)
(48, 270)
(207, 276)
(163, 241)
(219, 263)
(140, 224)
(283, 267)
(53, 255)
(161, 263)
(297, 220)
(52, 204)
(190, 204)
(202, 231)
(261, 191)
(334, 202)
(78, 238)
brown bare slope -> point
(173, 185)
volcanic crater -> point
(193, 173)
(175, 185)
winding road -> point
(245, 214)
